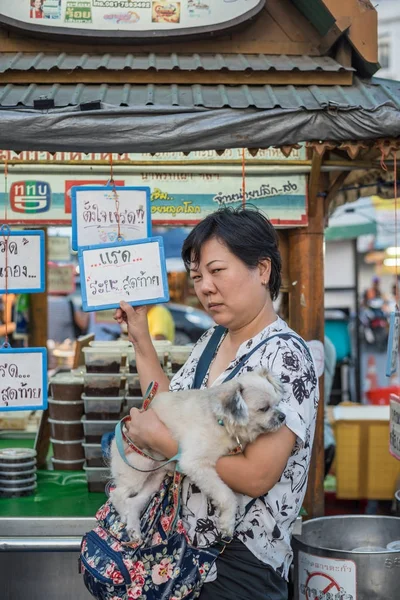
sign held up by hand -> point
(22, 266)
(395, 426)
(97, 210)
(23, 379)
(131, 271)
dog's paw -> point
(133, 529)
(227, 525)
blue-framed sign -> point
(95, 215)
(132, 271)
(22, 258)
(392, 358)
(23, 379)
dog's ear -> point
(231, 406)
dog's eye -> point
(264, 409)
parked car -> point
(190, 323)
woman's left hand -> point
(147, 431)
(141, 426)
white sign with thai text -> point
(58, 248)
(104, 215)
(131, 271)
(22, 267)
(320, 576)
(23, 379)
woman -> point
(234, 262)
(36, 11)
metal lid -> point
(12, 454)
(65, 402)
(67, 462)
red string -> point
(383, 164)
(243, 177)
(6, 237)
(116, 198)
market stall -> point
(308, 90)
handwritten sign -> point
(59, 248)
(61, 279)
(395, 426)
(96, 212)
(393, 344)
(22, 260)
(23, 379)
(131, 271)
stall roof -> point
(368, 95)
(167, 118)
(40, 61)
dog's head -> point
(247, 405)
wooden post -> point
(306, 309)
(38, 312)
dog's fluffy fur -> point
(246, 408)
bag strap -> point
(209, 351)
(207, 356)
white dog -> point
(207, 424)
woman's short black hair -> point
(247, 233)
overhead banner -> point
(128, 19)
(176, 198)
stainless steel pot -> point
(346, 558)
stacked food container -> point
(65, 413)
(17, 472)
(103, 397)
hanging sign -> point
(23, 379)
(131, 20)
(60, 279)
(131, 271)
(394, 426)
(320, 575)
(97, 210)
(392, 357)
(59, 248)
(22, 258)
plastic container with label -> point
(94, 429)
(66, 386)
(18, 492)
(133, 385)
(102, 359)
(70, 450)
(103, 408)
(17, 476)
(66, 430)
(65, 410)
(97, 478)
(179, 355)
(94, 455)
(16, 456)
(102, 385)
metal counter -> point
(39, 558)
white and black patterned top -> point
(266, 529)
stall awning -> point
(155, 118)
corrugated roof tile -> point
(363, 94)
(24, 61)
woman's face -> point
(231, 292)
(37, 4)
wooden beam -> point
(103, 76)
(333, 190)
(335, 32)
(306, 309)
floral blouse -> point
(266, 528)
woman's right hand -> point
(136, 319)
